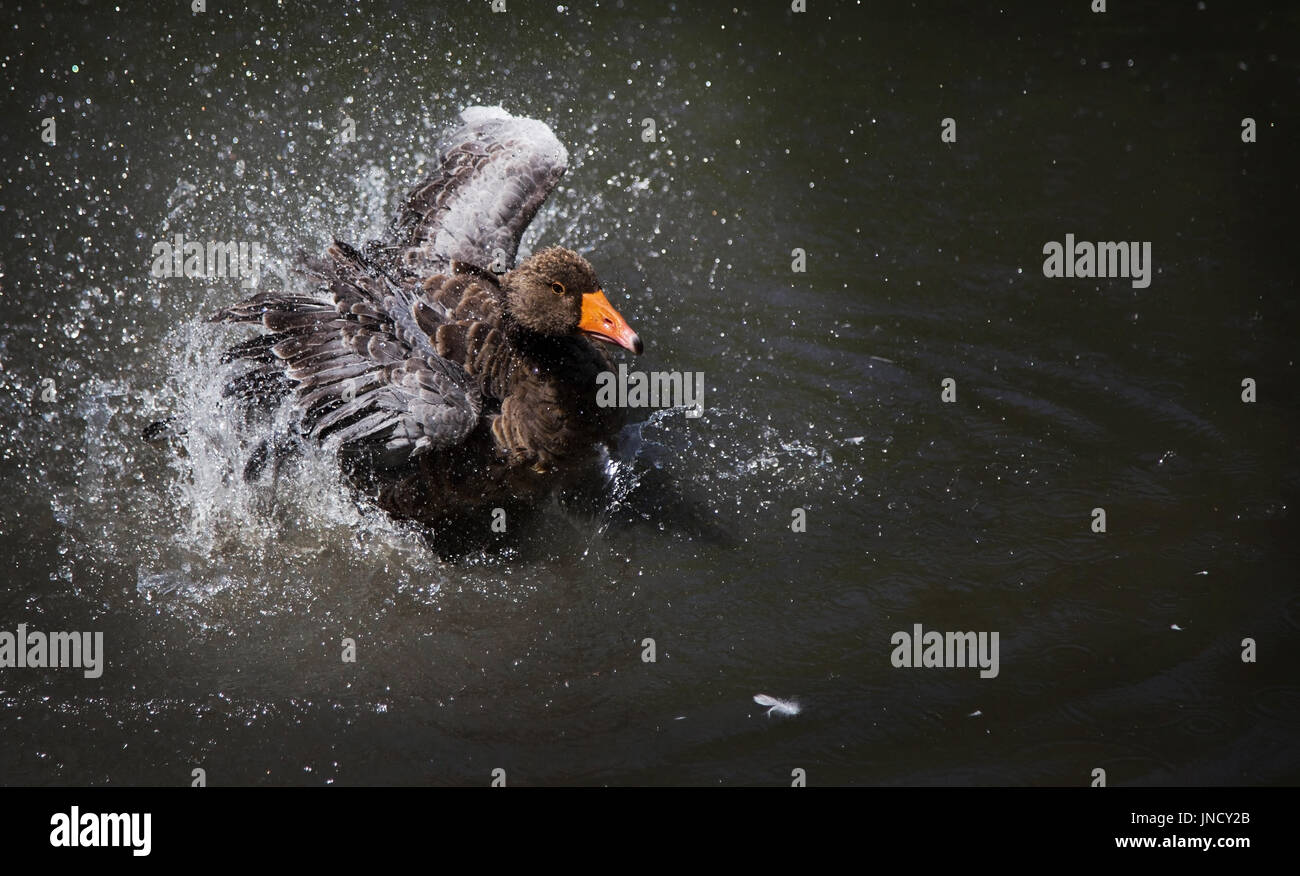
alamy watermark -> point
(77, 829)
(36, 650)
(1129, 259)
(936, 650)
(654, 389)
(216, 259)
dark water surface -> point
(224, 604)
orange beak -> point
(602, 321)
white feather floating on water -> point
(780, 707)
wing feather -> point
(360, 367)
(494, 173)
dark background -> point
(223, 607)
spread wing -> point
(493, 174)
(361, 369)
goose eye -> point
(557, 288)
